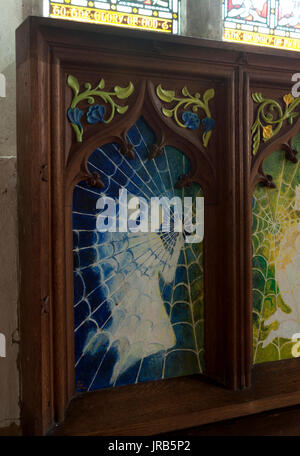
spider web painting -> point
(276, 259)
(138, 297)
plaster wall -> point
(12, 15)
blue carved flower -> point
(74, 116)
(208, 124)
(96, 114)
(191, 120)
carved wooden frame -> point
(50, 162)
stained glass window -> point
(156, 15)
(138, 296)
(274, 23)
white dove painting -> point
(289, 13)
(246, 9)
(276, 260)
(138, 297)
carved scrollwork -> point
(290, 152)
(96, 113)
(155, 150)
(127, 149)
(92, 178)
(186, 118)
(270, 118)
(266, 181)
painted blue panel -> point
(138, 297)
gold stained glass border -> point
(261, 39)
(110, 17)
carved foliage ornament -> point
(270, 117)
(183, 116)
(97, 113)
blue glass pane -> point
(138, 297)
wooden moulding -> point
(50, 162)
(177, 404)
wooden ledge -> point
(176, 404)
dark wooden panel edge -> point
(165, 406)
(280, 422)
(34, 213)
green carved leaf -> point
(124, 92)
(255, 126)
(292, 117)
(74, 84)
(165, 95)
(185, 92)
(167, 112)
(206, 138)
(122, 109)
(78, 132)
(209, 94)
(257, 97)
(256, 142)
(101, 84)
(269, 117)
